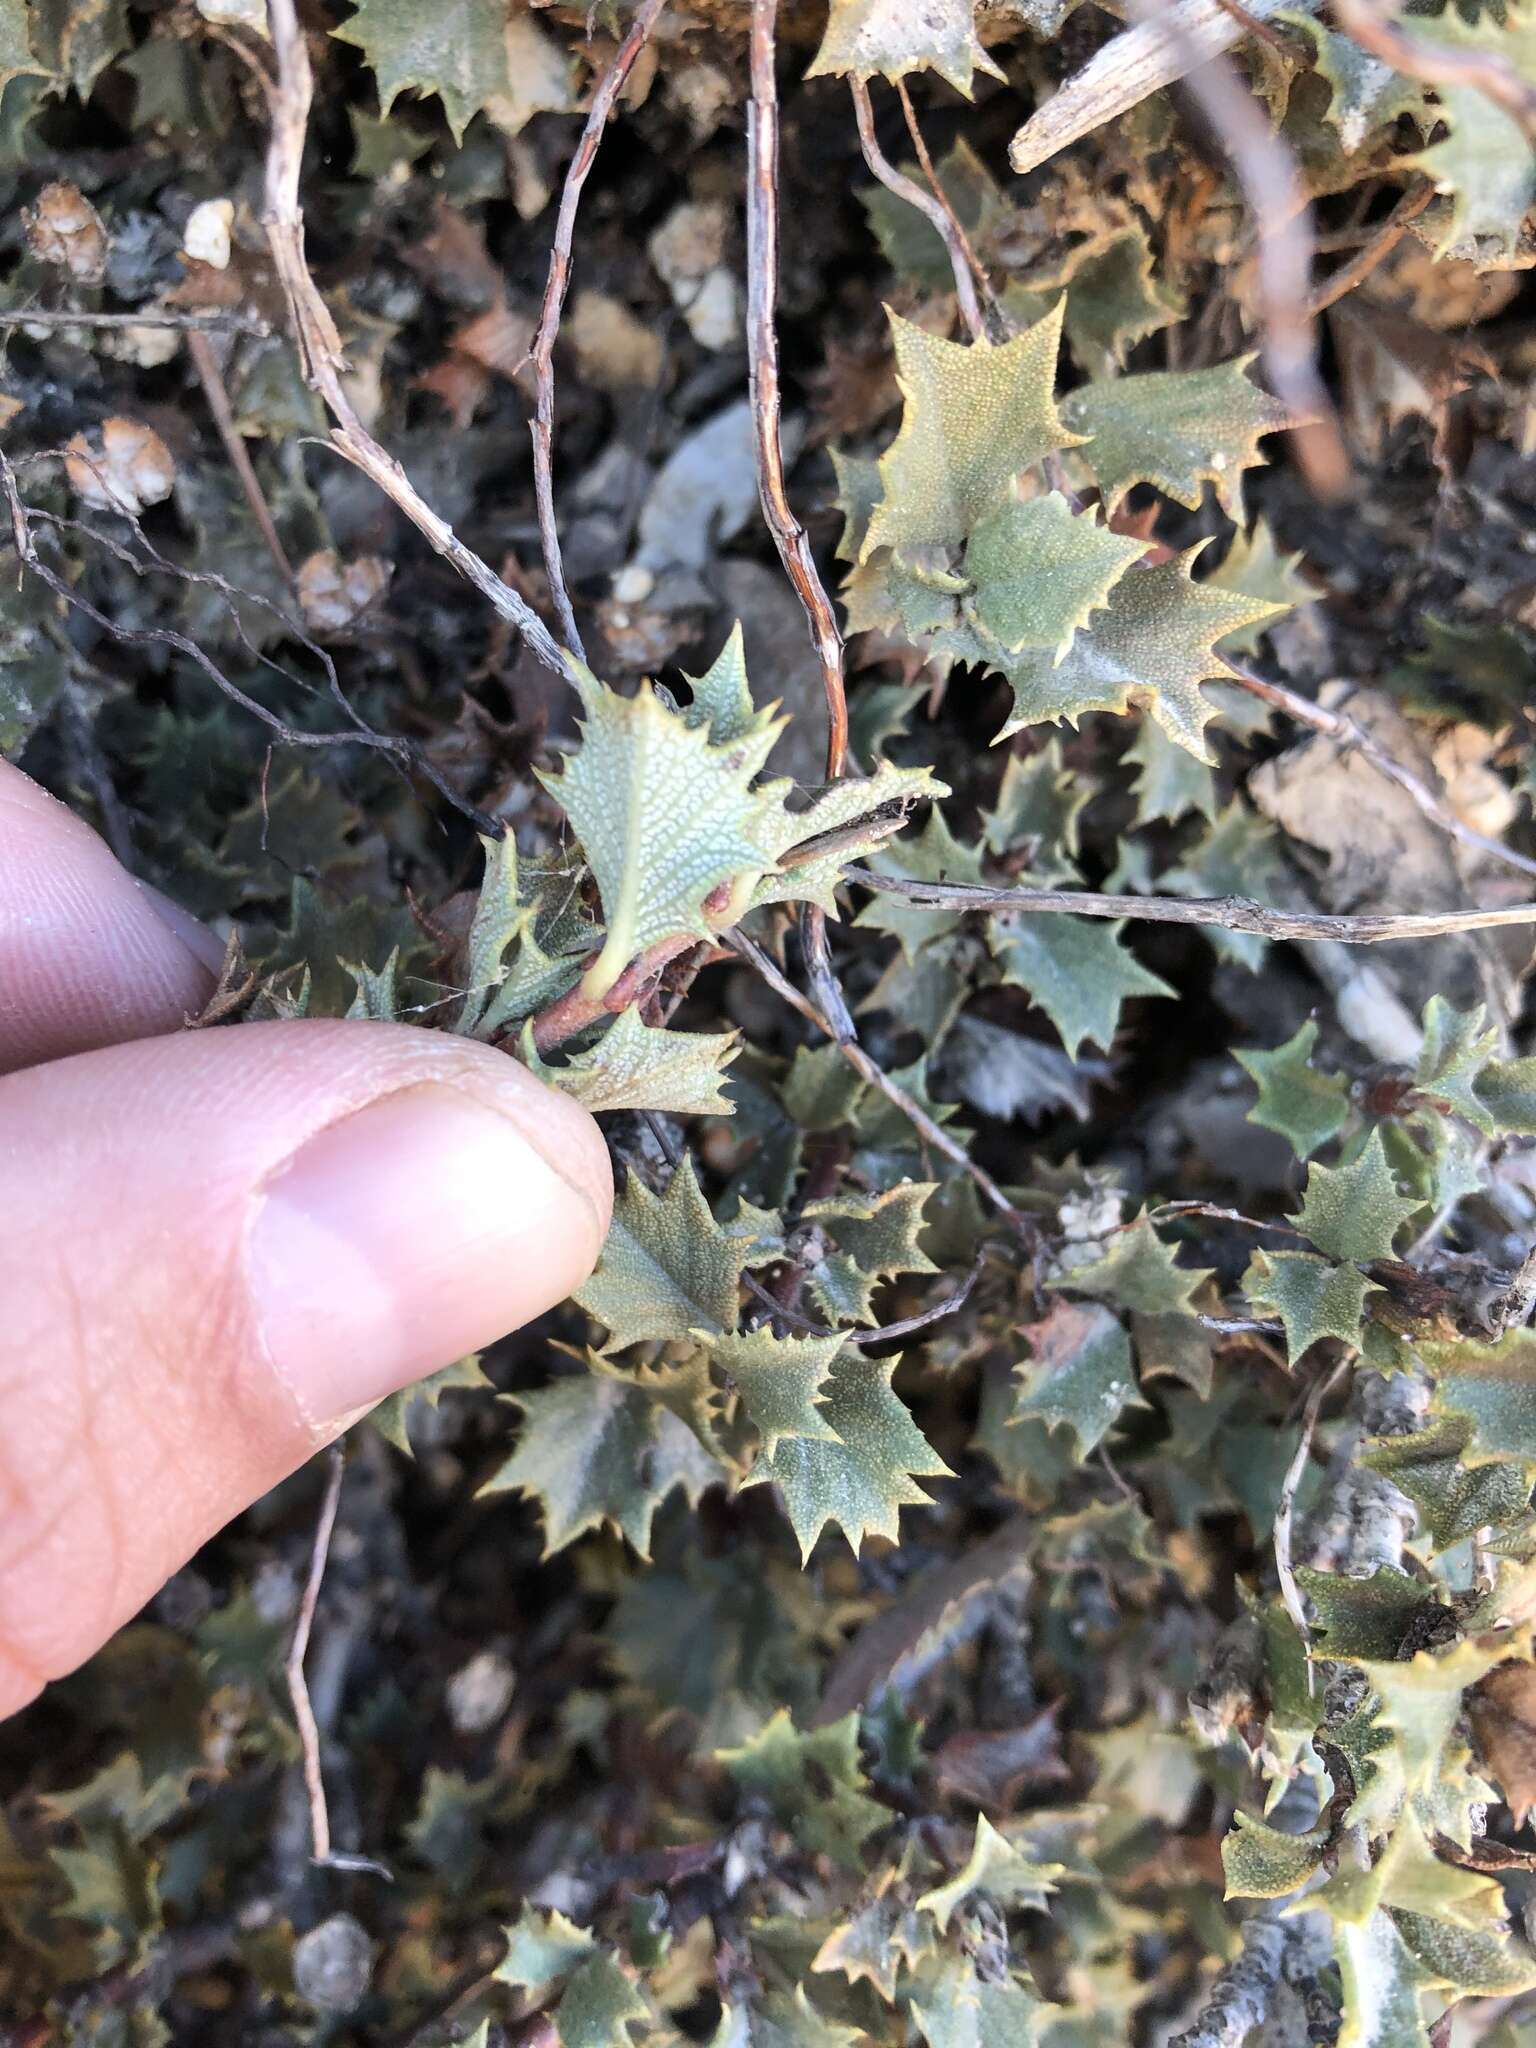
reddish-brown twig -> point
(1266, 170)
(211, 377)
(1494, 76)
(1376, 250)
(1230, 913)
(289, 95)
(933, 206)
(542, 354)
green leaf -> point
(1458, 1045)
(601, 1451)
(1507, 1088)
(880, 1939)
(598, 2006)
(1453, 1498)
(1171, 781)
(1306, 1107)
(955, 2007)
(1176, 430)
(1312, 1297)
(1355, 1211)
(468, 52)
(1381, 1986)
(1152, 645)
(812, 1783)
(667, 1267)
(1114, 298)
(975, 415)
(1472, 1964)
(872, 1239)
(1492, 1387)
(1079, 1375)
(1485, 162)
(643, 1066)
(1365, 1617)
(1038, 813)
(780, 1381)
(1076, 969)
(1262, 1863)
(781, 2020)
(1138, 1271)
(863, 1479)
(998, 1868)
(1366, 94)
(894, 38)
(391, 1418)
(722, 696)
(1256, 567)
(1039, 569)
(543, 1950)
(1421, 1702)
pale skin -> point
(219, 1247)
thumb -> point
(216, 1251)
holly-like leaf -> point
(813, 1783)
(391, 1418)
(861, 1480)
(871, 1239)
(1492, 1387)
(1076, 969)
(1458, 1044)
(1079, 1374)
(1507, 1089)
(1354, 1211)
(781, 2020)
(722, 696)
(955, 2007)
(975, 415)
(1038, 812)
(600, 1451)
(1365, 1617)
(1420, 1703)
(1305, 1106)
(1137, 1271)
(1114, 298)
(1257, 568)
(1366, 95)
(998, 1868)
(598, 2006)
(1177, 430)
(667, 1267)
(1312, 1297)
(1484, 162)
(780, 1381)
(1452, 1497)
(893, 37)
(457, 49)
(644, 1066)
(1262, 1863)
(1170, 781)
(1039, 569)
(1153, 645)
(877, 1942)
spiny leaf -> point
(1453, 1499)
(1306, 1107)
(873, 1239)
(598, 2006)
(780, 1381)
(1493, 1388)
(1354, 1211)
(599, 1451)
(1137, 1271)
(1458, 1044)
(955, 2007)
(643, 1066)
(392, 1415)
(1076, 969)
(1079, 1375)
(1171, 781)
(722, 696)
(998, 1868)
(975, 416)
(1369, 1617)
(1507, 1089)
(1421, 1698)
(1262, 1863)
(1485, 162)
(458, 49)
(813, 1783)
(877, 1942)
(1114, 297)
(1312, 1297)
(1039, 569)
(1254, 566)
(1367, 95)
(1153, 644)
(781, 2020)
(667, 1267)
(863, 1479)
(1038, 811)
(1176, 430)
(895, 38)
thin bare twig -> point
(289, 95)
(932, 1133)
(1375, 251)
(887, 1332)
(934, 206)
(1290, 1592)
(1494, 76)
(1229, 913)
(211, 377)
(151, 316)
(1266, 171)
(957, 225)
(1339, 726)
(542, 354)
(303, 1712)
(789, 536)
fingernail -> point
(419, 1228)
(204, 946)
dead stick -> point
(542, 354)
(789, 536)
(303, 1712)
(211, 377)
(1348, 732)
(1290, 1592)
(1229, 913)
(290, 95)
(1266, 171)
(1376, 250)
(932, 205)
(933, 1133)
(151, 316)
